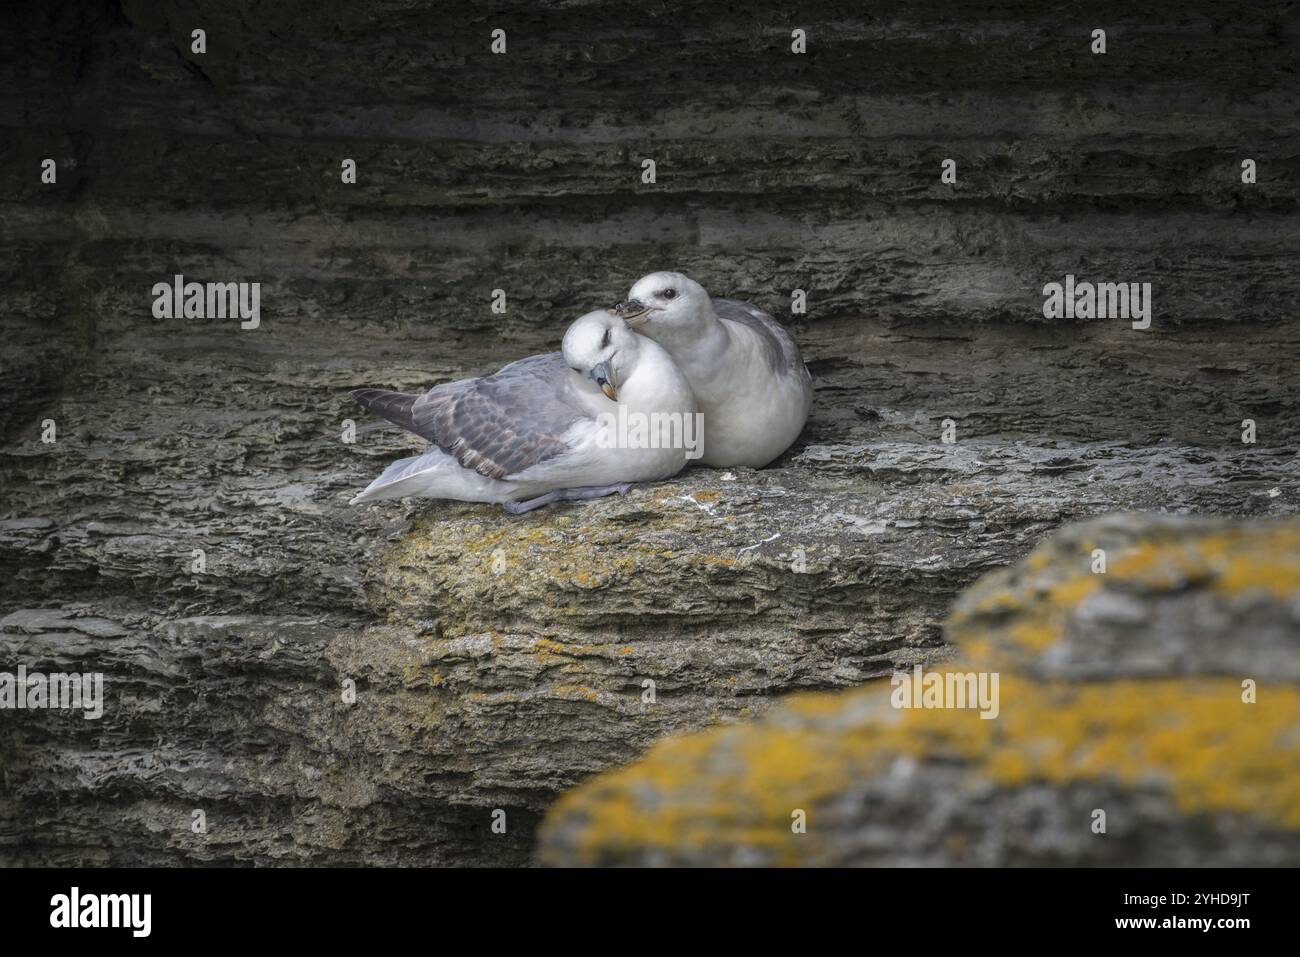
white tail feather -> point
(434, 474)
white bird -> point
(751, 383)
(541, 429)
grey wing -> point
(399, 408)
(779, 348)
(497, 425)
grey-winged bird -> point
(750, 381)
(532, 433)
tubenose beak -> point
(633, 311)
(604, 377)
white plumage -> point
(747, 374)
(534, 430)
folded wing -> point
(498, 425)
(779, 348)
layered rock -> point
(498, 661)
(1144, 710)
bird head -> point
(600, 347)
(663, 301)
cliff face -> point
(497, 661)
(1140, 712)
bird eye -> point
(669, 294)
(604, 342)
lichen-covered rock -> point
(1146, 714)
(496, 660)
(1160, 598)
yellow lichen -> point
(738, 785)
(1191, 737)
(1224, 562)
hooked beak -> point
(633, 312)
(604, 377)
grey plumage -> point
(779, 348)
(497, 425)
(745, 370)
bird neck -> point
(697, 346)
(654, 383)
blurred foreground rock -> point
(498, 661)
(1163, 693)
